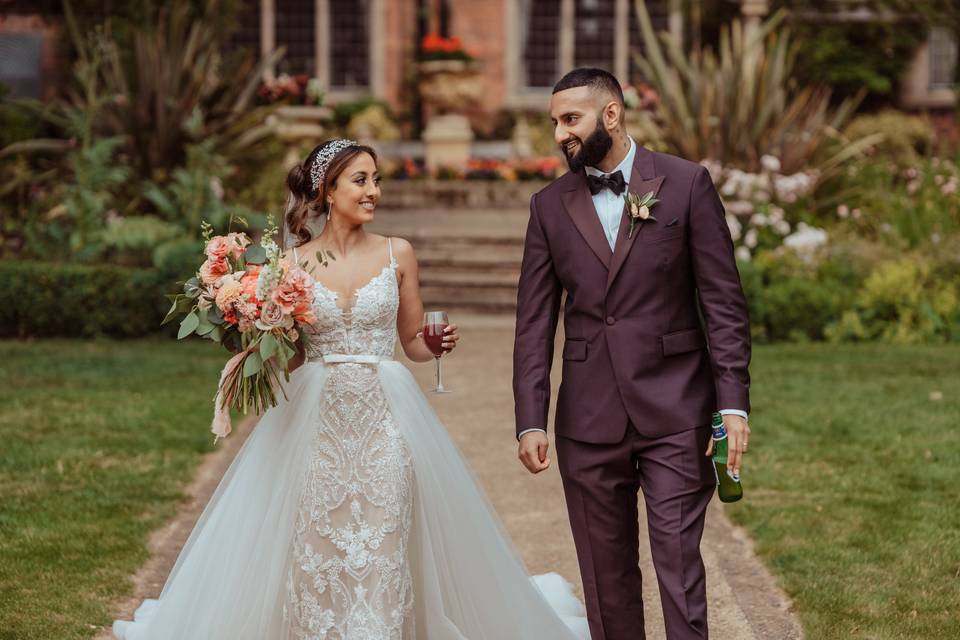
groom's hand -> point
(738, 434)
(533, 451)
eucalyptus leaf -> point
(188, 325)
(192, 288)
(204, 326)
(171, 313)
(255, 255)
(268, 346)
(252, 364)
(184, 304)
(216, 334)
(214, 315)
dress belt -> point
(360, 358)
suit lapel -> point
(579, 206)
(642, 180)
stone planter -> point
(448, 87)
(294, 124)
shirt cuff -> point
(520, 435)
(735, 412)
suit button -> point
(611, 320)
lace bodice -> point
(367, 326)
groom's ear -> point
(612, 115)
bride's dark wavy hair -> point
(304, 202)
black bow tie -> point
(613, 181)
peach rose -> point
(229, 292)
(249, 282)
(213, 269)
(303, 313)
(217, 247)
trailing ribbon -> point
(221, 426)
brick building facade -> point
(359, 48)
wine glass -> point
(434, 325)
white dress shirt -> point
(609, 208)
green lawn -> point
(96, 441)
(852, 486)
(852, 481)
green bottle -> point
(728, 483)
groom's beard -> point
(592, 150)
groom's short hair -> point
(597, 79)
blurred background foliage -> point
(844, 210)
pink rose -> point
(303, 313)
(285, 297)
(211, 270)
(298, 280)
(217, 247)
(272, 316)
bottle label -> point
(719, 433)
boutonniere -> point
(638, 208)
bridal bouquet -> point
(244, 298)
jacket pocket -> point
(682, 341)
(662, 234)
(575, 349)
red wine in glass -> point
(434, 325)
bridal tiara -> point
(323, 158)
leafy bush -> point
(791, 299)
(905, 302)
(50, 299)
(851, 56)
(905, 137)
(131, 240)
(908, 207)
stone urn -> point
(295, 124)
(448, 89)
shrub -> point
(905, 137)
(905, 302)
(49, 299)
(791, 299)
(910, 207)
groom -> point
(642, 373)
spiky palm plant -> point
(739, 103)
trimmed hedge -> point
(51, 299)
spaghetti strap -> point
(295, 259)
(390, 249)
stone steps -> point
(469, 260)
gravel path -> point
(745, 603)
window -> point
(541, 42)
(296, 30)
(247, 33)
(349, 44)
(547, 38)
(594, 28)
(20, 63)
(943, 59)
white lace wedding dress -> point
(349, 514)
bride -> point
(349, 513)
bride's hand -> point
(450, 338)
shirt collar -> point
(625, 167)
